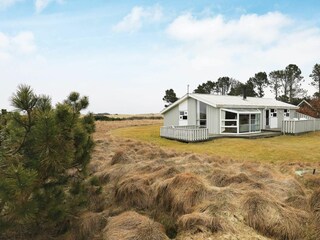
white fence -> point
(185, 133)
(301, 116)
(300, 126)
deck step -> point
(271, 130)
(267, 134)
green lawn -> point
(303, 148)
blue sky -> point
(125, 54)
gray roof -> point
(225, 101)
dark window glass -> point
(230, 130)
(231, 115)
(203, 122)
(203, 114)
(203, 111)
(244, 123)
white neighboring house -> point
(222, 114)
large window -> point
(228, 122)
(255, 122)
(240, 120)
(244, 125)
(202, 114)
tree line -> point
(44, 153)
(284, 83)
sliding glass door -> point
(240, 121)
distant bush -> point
(98, 117)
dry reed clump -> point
(97, 202)
(284, 187)
(165, 153)
(256, 171)
(271, 218)
(120, 157)
(297, 201)
(194, 157)
(181, 193)
(199, 222)
(90, 224)
(223, 180)
(133, 226)
(315, 205)
(311, 181)
(159, 172)
(169, 172)
(142, 151)
(221, 203)
(294, 187)
(148, 152)
(103, 176)
(113, 174)
(134, 191)
(213, 160)
(315, 208)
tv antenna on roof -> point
(188, 89)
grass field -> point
(303, 148)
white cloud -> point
(212, 47)
(4, 41)
(7, 3)
(137, 17)
(249, 28)
(40, 5)
(22, 43)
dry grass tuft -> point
(222, 179)
(193, 157)
(315, 208)
(120, 157)
(133, 226)
(181, 193)
(312, 181)
(199, 222)
(315, 205)
(297, 201)
(134, 192)
(271, 218)
(90, 224)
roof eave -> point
(204, 101)
(174, 104)
(256, 106)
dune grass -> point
(302, 148)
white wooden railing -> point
(188, 133)
(301, 116)
(300, 126)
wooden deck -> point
(188, 133)
(262, 134)
(196, 134)
(191, 133)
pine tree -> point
(39, 147)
